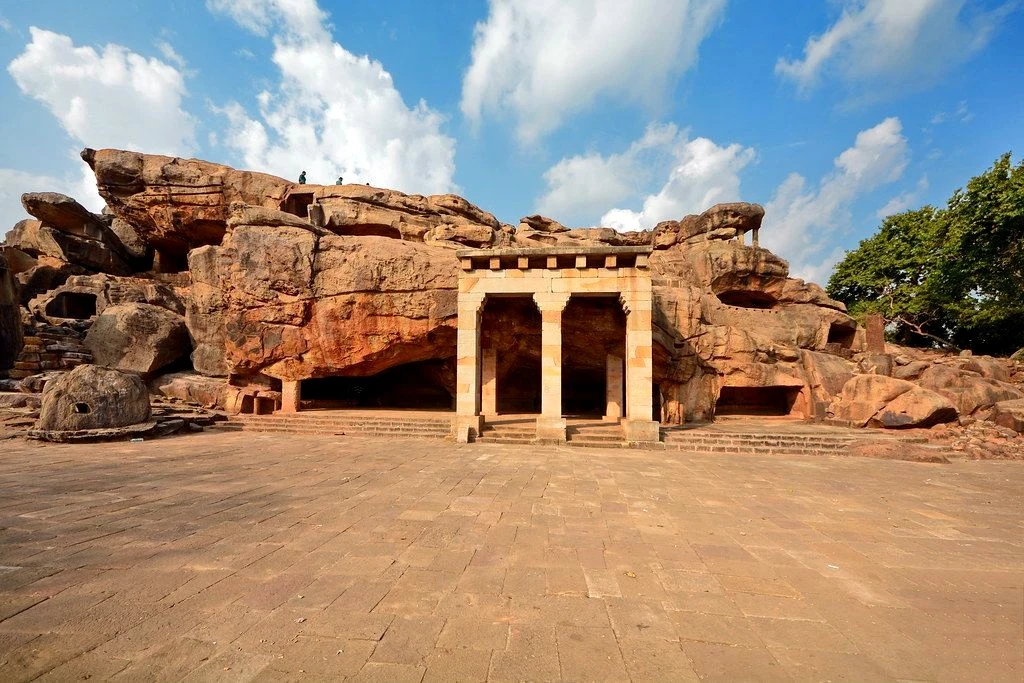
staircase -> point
(736, 442)
(594, 434)
(336, 423)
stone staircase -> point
(48, 347)
(590, 434)
(337, 423)
(738, 442)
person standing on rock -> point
(302, 178)
(339, 181)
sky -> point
(832, 114)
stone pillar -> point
(551, 424)
(291, 394)
(756, 239)
(875, 328)
(467, 368)
(489, 383)
(613, 388)
(639, 425)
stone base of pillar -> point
(551, 429)
(467, 426)
(290, 395)
(641, 431)
(611, 418)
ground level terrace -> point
(260, 557)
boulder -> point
(542, 224)
(872, 399)
(131, 241)
(204, 314)
(915, 408)
(191, 388)
(38, 239)
(989, 367)
(139, 338)
(969, 391)
(91, 397)
(911, 370)
(63, 213)
(1009, 414)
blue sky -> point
(831, 114)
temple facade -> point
(550, 278)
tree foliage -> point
(952, 276)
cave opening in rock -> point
(757, 401)
(169, 260)
(593, 329)
(510, 335)
(747, 298)
(297, 204)
(72, 305)
(842, 335)
(421, 385)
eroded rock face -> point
(298, 303)
(11, 335)
(139, 338)
(880, 401)
(91, 397)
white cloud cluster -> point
(800, 221)
(333, 113)
(904, 200)
(699, 173)
(545, 61)
(108, 98)
(893, 42)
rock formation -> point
(256, 280)
(91, 397)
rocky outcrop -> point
(81, 298)
(11, 334)
(91, 397)
(191, 388)
(879, 401)
(139, 338)
(1009, 414)
(298, 303)
(204, 315)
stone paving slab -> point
(264, 557)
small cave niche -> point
(757, 401)
(297, 204)
(842, 335)
(72, 305)
(169, 261)
(82, 408)
(747, 298)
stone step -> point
(505, 440)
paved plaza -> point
(234, 556)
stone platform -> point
(240, 556)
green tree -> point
(953, 276)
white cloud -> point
(170, 54)
(108, 98)
(583, 186)
(962, 114)
(545, 61)
(799, 221)
(6, 25)
(245, 53)
(904, 200)
(699, 173)
(333, 113)
(893, 42)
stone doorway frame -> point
(551, 275)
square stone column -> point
(551, 424)
(467, 368)
(489, 383)
(613, 388)
(639, 425)
(291, 394)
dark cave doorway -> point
(419, 385)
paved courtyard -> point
(241, 557)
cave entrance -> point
(593, 336)
(841, 335)
(72, 305)
(757, 401)
(420, 385)
(510, 344)
(747, 298)
(297, 204)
